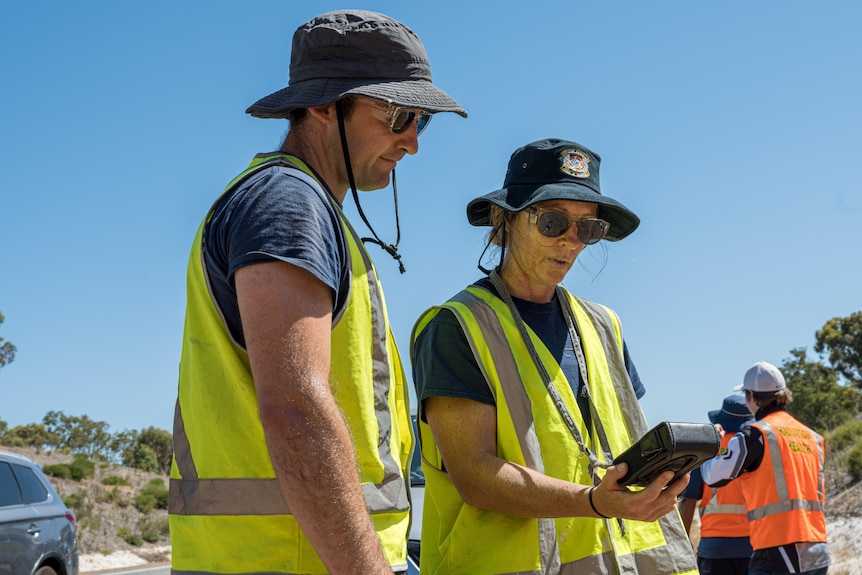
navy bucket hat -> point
(356, 52)
(733, 415)
(554, 169)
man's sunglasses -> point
(399, 118)
(554, 224)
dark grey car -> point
(38, 533)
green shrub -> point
(60, 470)
(135, 540)
(154, 528)
(77, 470)
(75, 501)
(141, 457)
(145, 503)
(10, 440)
(157, 488)
(107, 497)
(115, 480)
(854, 462)
(82, 467)
(845, 436)
(153, 495)
(131, 538)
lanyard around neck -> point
(594, 463)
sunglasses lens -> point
(552, 224)
(402, 119)
(422, 122)
(590, 231)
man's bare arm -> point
(286, 317)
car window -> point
(33, 489)
(9, 492)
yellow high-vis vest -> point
(458, 538)
(227, 512)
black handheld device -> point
(679, 447)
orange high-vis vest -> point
(722, 509)
(784, 497)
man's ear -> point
(325, 113)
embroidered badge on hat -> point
(575, 163)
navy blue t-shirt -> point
(444, 365)
(274, 216)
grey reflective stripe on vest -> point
(601, 320)
(674, 557)
(715, 507)
(392, 493)
(192, 495)
(518, 403)
(784, 503)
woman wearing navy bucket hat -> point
(724, 547)
(527, 393)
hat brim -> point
(410, 93)
(516, 198)
(729, 423)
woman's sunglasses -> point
(399, 118)
(554, 224)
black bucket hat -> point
(356, 52)
(553, 169)
(733, 415)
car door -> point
(16, 525)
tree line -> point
(827, 392)
(148, 449)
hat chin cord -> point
(499, 267)
(391, 249)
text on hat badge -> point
(575, 163)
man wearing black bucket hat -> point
(778, 462)
(724, 547)
(527, 393)
(292, 433)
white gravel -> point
(96, 562)
(845, 545)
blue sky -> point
(732, 129)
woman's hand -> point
(656, 500)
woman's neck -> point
(519, 287)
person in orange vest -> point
(779, 464)
(724, 546)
